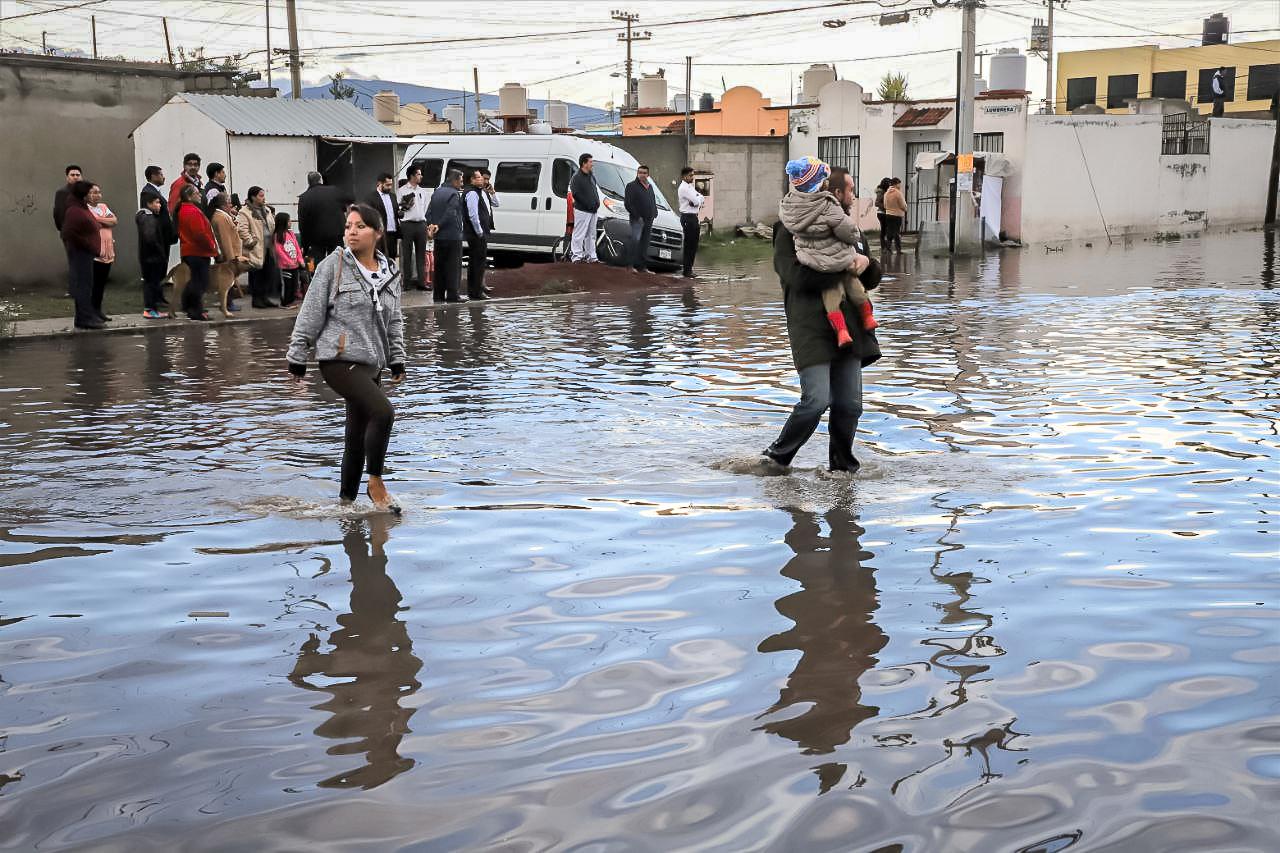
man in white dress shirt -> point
(690, 203)
(413, 230)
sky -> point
(569, 49)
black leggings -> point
(892, 235)
(369, 419)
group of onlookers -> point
(218, 239)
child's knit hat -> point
(807, 173)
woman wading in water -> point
(351, 318)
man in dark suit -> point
(383, 200)
(477, 225)
(322, 216)
(445, 215)
(642, 208)
(151, 189)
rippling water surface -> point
(1044, 615)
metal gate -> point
(922, 202)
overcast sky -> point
(540, 43)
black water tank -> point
(1217, 29)
(706, 102)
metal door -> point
(922, 202)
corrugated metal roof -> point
(927, 117)
(248, 116)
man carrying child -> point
(830, 373)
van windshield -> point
(613, 180)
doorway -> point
(922, 199)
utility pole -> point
(295, 65)
(44, 42)
(629, 18)
(968, 46)
(688, 106)
(269, 44)
(168, 48)
(93, 26)
(475, 78)
(1275, 161)
(1049, 93)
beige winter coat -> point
(894, 203)
(824, 234)
(249, 228)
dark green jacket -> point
(813, 341)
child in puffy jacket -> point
(825, 238)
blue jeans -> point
(641, 231)
(835, 385)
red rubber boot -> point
(868, 320)
(836, 319)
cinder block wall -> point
(56, 112)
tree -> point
(195, 60)
(339, 89)
(893, 87)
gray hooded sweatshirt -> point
(346, 317)
(824, 233)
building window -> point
(1264, 80)
(840, 151)
(517, 177)
(1205, 90)
(1185, 133)
(1121, 88)
(992, 143)
(1081, 91)
(1169, 84)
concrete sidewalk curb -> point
(25, 330)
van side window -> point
(431, 170)
(467, 165)
(561, 172)
(517, 177)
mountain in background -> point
(437, 99)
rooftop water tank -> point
(679, 101)
(540, 128)
(706, 102)
(979, 85)
(1009, 70)
(513, 100)
(557, 114)
(814, 78)
(454, 114)
(386, 107)
(652, 92)
(1217, 29)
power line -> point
(47, 11)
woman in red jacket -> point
(198, 249)
(82, 236)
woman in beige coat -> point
(231, 258)
(254, 224)
(895, 213)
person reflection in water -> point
(372, 664)
(834, 634)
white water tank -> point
(1009, 70)
(979, 85)
(652, 92)
(513, 100)
(540, 128)
(557, 114)
(386, 107)
(679, 101)
(455, 115)
(815, 77)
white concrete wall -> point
(802, 133)
(171, 132)
(1071, 158)
(278, 164)
(1239, 166)
(1138, 189)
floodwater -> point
(1044, 616)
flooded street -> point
(1045, 615)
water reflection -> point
(372, 654)
(834, 633)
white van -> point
(531, 174)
